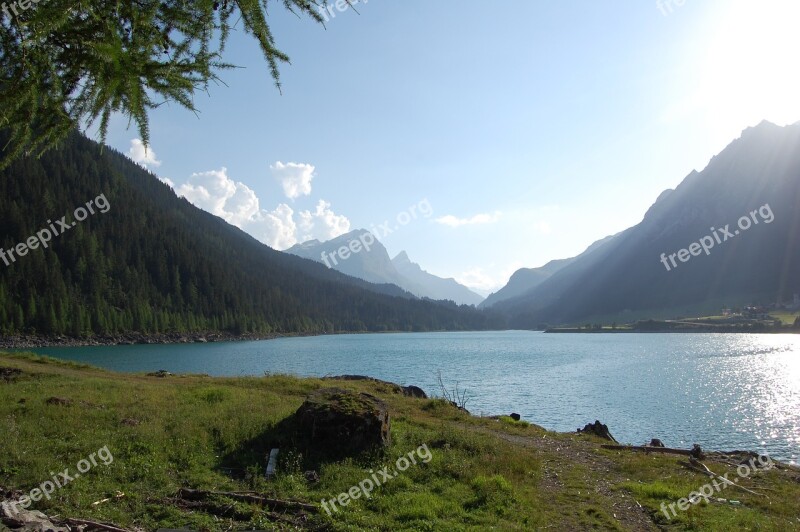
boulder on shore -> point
(409, 391)
(599, 430)
(339, 422)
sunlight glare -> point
(750, 70)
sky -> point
(480, 138)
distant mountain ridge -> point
(526, 279)
(625, 275)
(434, 287)
(360, 255)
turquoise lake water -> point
(725, 391)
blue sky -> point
(531, 128)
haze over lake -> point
(725, 391)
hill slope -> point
(756, 177)
(155, 263)
(492, 474)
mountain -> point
(370, 261)
(147, 261)
(359, 254)
(522, 281)
(432, 286)
(526, 279)
(743, 207)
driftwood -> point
(119, 495)
(646, 449)
(95, 526)
(700, 467)
(230, 511)
(196, 495)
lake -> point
(723, 391)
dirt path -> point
(556, 451)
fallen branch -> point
(119, 495)
(230, 511)
(95, 526)
(665, 450)
(196, 495)
(694, 465)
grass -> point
(214, 433)
(787, 318)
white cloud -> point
(218, 194)
(236, 203)
(322, 224)
(295, 178)
(141, 155)
(484, 218)
(276, 229)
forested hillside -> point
(155, 263)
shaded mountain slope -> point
(761, 264)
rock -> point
(455, 405)
(9, 374)
(697, 452)
(339, 422)
(655, 442)
(60, 401)
(515, 417)
(409, 391)
(414, 391)
(27, 520)
(160, 373)
(599, 430)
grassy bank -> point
(213, 434)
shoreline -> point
(698, 330)
(30, 341)
(35, 341)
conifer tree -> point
(67, 64)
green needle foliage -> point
(66, 64)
